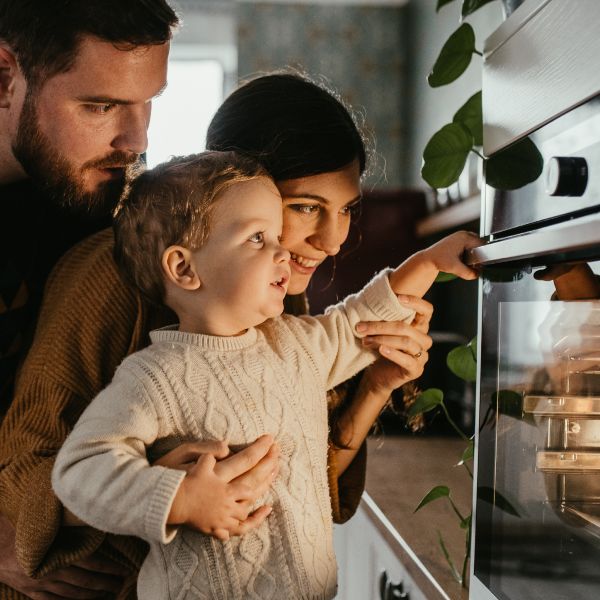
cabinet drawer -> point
(369, 566)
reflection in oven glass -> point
(539, 495)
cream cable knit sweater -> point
(272, 379)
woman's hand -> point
(404, 348)
(184, 457)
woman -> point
(313, 149)
(91, 320)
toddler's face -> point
(242, 266)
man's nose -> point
(132, 136)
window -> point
(180, 116)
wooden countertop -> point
(400, 471)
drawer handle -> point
(389, 590)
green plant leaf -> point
(454, 58)
(461, 362)
(467, 454)
(514, 166)
(471, 116)
(466, 522)
(495, 498)
(441, 3)
(443, 277)
(509, 403)
(445, 155)
(439, 491)
(427, 400)
(453, 570)
(472, 345)
(470, 6)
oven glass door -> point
(537, 529)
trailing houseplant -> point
(444, 160)
(446, 152)
(462, 362)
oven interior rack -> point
(581, 407)
(568, 461)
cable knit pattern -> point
(271, 379)
(88, 323)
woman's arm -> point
(406, 346)
(404, 353)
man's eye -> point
(257, 238)
(100, 109)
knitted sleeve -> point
(345, 491)
(102, 474)
(332, 338)
(88, 322)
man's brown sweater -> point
(89, 322)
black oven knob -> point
(566, 176)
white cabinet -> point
(368, 551)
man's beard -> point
(53, 174)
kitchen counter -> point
(400, 471)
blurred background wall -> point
(375, 53)
(359, 50)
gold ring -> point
(418, 354)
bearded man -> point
(77, 79)
(76, 86)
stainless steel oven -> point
(537, 498)
(536, 520)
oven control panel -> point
(566, 176)
(569, 185)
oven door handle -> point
(576, 235)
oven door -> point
(537, 466)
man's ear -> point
(179, 268)
(9, 69)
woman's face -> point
(316, 218)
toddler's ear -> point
(179, 267)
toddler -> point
(201, 235)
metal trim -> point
(575, 235)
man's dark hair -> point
(45, 34)
(293, 126)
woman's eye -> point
(100, 109)
(352, 209)
(257, 238)
(307, 209)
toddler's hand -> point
(447, 254)
(215, 498)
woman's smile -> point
(309, 264)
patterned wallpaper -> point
(359, 51)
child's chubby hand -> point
(216, 498)
(447, 255)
